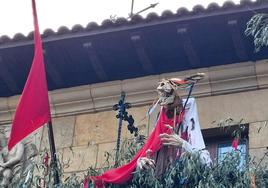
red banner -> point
(33, 108)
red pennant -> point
(33, 108)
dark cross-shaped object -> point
(122, 115)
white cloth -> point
(191, 123)
(195, 138)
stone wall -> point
(258, 142)
(84, 139)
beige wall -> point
(84, 139)
(258, 140)
(250, 106)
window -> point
(224, 148)
(219, 143)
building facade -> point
(88, 68)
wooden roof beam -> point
(188, 47)
(52, 71)
(95, 61)
(141, 52)
(238, 43)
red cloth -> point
(123, 174)
(33, 109)
(235, 143)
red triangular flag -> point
(33, 109)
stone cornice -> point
(140, 91)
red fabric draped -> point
(123, 174)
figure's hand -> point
(172, 139)
(146, 162)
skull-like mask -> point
(168, 88)
(166, 92)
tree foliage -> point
(187, 171)
(258, 28)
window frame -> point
(216, 136)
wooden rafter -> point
(141, 52)
(95, 61)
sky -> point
(16, 15)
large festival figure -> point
(177, 130)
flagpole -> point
(54, 163)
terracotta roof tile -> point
(213, 7)
(121, 21)
(137, 19)
(77, 28)
(198, 9)
(107, 24)
(152, 16)
(30, 35)
(92, 26)
(5, 39)
(183, 11)
(18, 37)
(63, 30)
(167, 14)
(48, 32)
(228, 5)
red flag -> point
(33, 109)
